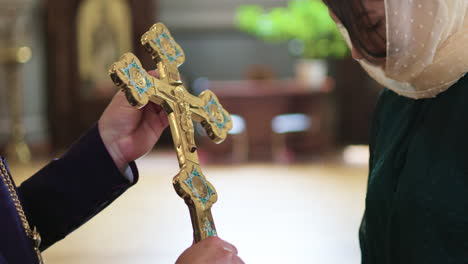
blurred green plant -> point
(305, 24)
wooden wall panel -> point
(69, 114)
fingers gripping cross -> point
(181, 107)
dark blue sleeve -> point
(2, 260)
(72, 189)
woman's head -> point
(365, 22)
(416, 48)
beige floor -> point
(272, 213)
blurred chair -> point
(234, 149)
(282, 126)
(240, 139)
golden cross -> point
(181, 107)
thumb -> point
(120, 100)
(154, 73)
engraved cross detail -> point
(181, 107)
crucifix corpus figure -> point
(182, 108)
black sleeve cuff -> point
(71, 190)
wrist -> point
(119, 160)
(113, 149)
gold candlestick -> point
(12, 58)
(17, 149)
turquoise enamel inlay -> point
(209, 229)
(177, 51)
(126, 71)
(220, 109)
(189, 183)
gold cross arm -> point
(182, 108)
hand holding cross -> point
(181, 107)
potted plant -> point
(306, 25)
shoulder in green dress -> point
(417, 197)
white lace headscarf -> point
(427, 46)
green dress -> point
(417, 196)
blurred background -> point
(292, 174)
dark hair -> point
(362, 31)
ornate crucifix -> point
(181, 107)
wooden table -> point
(258, 102)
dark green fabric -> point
(417, 196)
